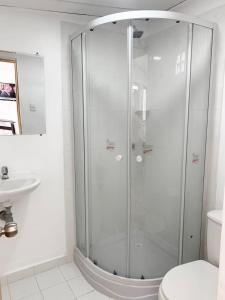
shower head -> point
(137, 34)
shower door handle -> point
(139, 158)
(119, 157)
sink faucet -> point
(5, 171)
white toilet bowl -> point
(197, 280)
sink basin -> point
(14, 188)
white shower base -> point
(116, 287)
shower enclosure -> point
(141, 83)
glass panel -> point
(107, 145)
(160, 52)
(198, 111)
(79, 145)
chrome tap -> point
(5, 172)
(10, 229)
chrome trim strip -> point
(212, 77)
(86, 160)
(129, 124)
(186, 122)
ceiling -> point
(91, 7)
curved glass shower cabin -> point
(141, 95)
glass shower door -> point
(158, 117)
(106, 109)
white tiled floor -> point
(61, 283)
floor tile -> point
(70, 271)
(23, 288)
(94, 296)
(49, 278)
(80, 286)
(58, 292)
(33, 297)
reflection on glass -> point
(22, 94)
(10, 123)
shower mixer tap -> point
(147, 148)
(110, 145)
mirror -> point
(22, 103)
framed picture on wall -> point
(8, 91)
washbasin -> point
(14, 188)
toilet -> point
(196, 280)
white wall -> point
(41, 216)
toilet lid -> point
(196, 281)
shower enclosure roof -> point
(148, 14)
(144, 14)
